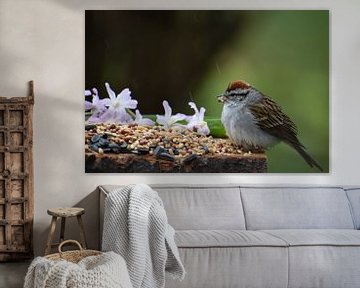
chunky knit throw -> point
(136, 227)
(107, 270)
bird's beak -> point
(221, 98)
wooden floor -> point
(12, 274)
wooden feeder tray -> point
(139, 149)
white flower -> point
(116, 112)
(169, 120)
(97, 106)
(142, 121)
(196, 122)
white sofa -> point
(242, 236)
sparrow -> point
(253, 120)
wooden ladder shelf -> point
(16, 177)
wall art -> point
(207, 91)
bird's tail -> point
(312, 163)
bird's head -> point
(235, 93)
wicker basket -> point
(72, 256)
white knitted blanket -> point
(102, 271)
(136, 227)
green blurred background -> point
(184, 56)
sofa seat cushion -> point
(322, 258)
(231, 258)
(226, 238)
(317, 237)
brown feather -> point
(239, 84)
(274, 121)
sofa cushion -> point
(226, 238)
(296, 208)
(324, 266)
(191, 208)
(315, 237)
(354, 198)
(327, 258)
(220, 267)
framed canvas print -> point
(207, 91)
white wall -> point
(43, 40)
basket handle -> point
(69, 241)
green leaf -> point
(217, 130)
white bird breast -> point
(241, 127)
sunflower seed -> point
(190, 158)
(90, 126)
(158, 150)
(166, 156)
(95, 138)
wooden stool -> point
(64, 213)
